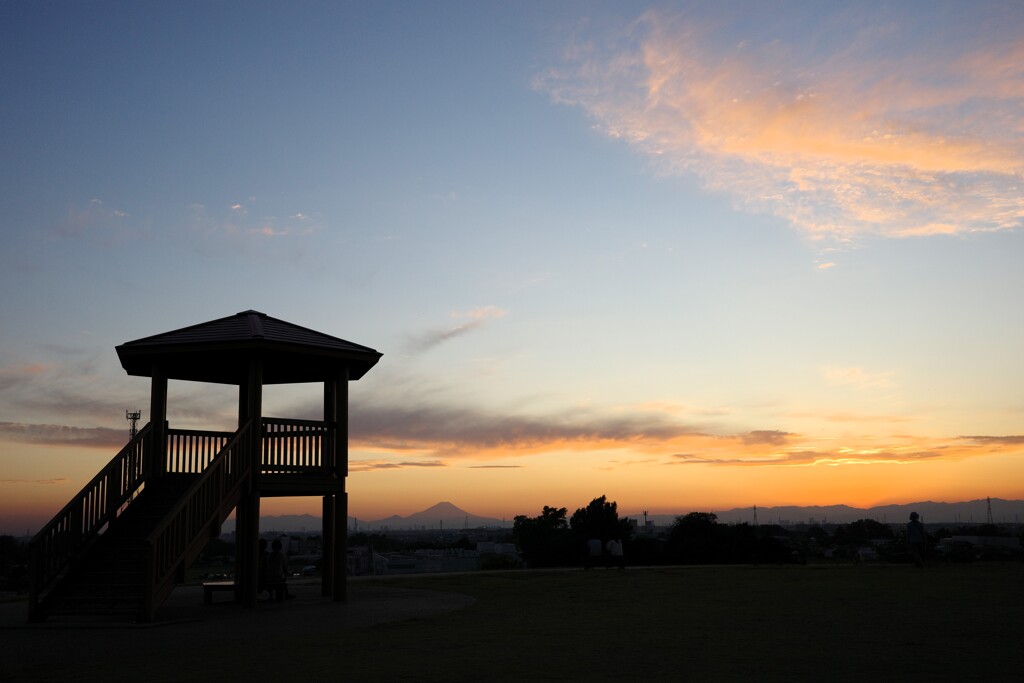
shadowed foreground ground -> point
(698, 623)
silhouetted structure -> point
(133, 417)
(126, 539)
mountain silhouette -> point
(449, 517)
(964, 512)
(440, 516)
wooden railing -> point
(224, 463)
(295, 447)
(186, 528)
(76, 527)
(189, 451)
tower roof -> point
(219, 351)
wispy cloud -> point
(804, 451)
(650, 438)
(474, 320)
(371, 465)
(73, 391)
(1017, 440)
(44, 482)
(241, 225)
(98, 223)
(11, 377)
(843, 456)
(67, 389)
(873, 135)
(466, 431)
(49, 434)
(770, 437)
(424, 422)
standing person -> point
(593, 553)
(615, 555)
(277, 572)
(916, 539)
(262, 573)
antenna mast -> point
(988, 513)
(133, 417)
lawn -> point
(767, 623)
(889, 622)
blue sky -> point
(686, 255)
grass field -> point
(767, 623)
(893, 622)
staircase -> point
(122, 544)
(111, 579)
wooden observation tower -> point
(124, 542)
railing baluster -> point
(294, 446)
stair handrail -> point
(207, 502)
(66, 537)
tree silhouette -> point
(600, 519)
(861, 532)
(692, 538)
(698, 538)
(545, 541)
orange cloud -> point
(370, 465)
(844, 145)
(424, 433)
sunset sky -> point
(689, 256)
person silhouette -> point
(615, 555)
(262, 570)
(277, 572)
(593, 553)
(916, 539)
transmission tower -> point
(988, 511)
(755, 516)
(133, 417)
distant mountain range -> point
(966, 512)
(446, 516)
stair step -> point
(112, 579)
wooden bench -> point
(211, 587)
